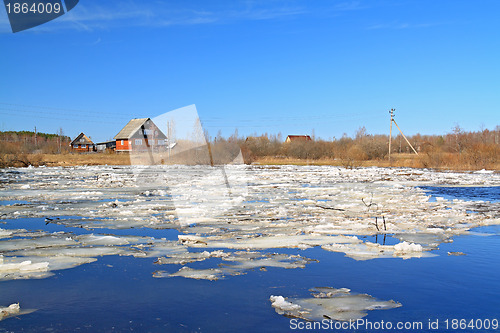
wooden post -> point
(390, 134)
(168, 140)
(405, 137)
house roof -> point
(130, 129)
(86, 140)
(106, 142)
(298, 137)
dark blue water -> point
(54, 225)
(119, 293)
(487, 193)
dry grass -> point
(449, 162)
(440, 162)
(86, 159)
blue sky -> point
(258, 66)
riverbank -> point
(444, 162)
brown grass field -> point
(85, 159)
(397, 160)
(449, 162)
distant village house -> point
(82, 144)
(292, 138)
(107, 145)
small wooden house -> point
(106, 146)
(140, 134)
(82, 144)
(292, 138)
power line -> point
(207, 119)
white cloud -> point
(91, 16)
(88, 16)
(404, 25)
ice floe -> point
(234, 263)
(369, 250)
(230, 213)
(330, 303)
(406, 247)
(12, 310)
(198, 274)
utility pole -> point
(35, 138)
(390, 133)
(169, 134)
(60, 139)
(395, 123)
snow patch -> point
(406, 247)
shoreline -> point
(399, 161)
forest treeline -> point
(457, 149)
(24, 148)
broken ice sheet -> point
(236, 263)
(369, 250)
(244, 241)
(330, 303)
(184, 257)
(286, 207)
(12, 310)
(13, 268)
(34, 255)
(198, 274)
(243, 261)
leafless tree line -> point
(458, 148)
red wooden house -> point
(140, 134)
(82, 144)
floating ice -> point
(235, 263)
(456, 254)
(12, 311)
(182, 258)
(22, 267)
(267, 208)
(243, 261)
(282, 306)
(12, 268)
(244, 242)
(5, 233)
(71, 252)
(25, 255)
(484, 171)
(191, 273)
(330, 303)
(406, 247)
(369, 250)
